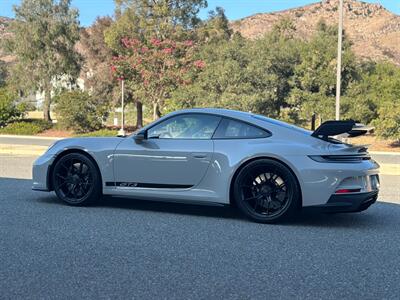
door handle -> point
(199, 155)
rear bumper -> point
(319, 181)
(347, 203)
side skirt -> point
(148, 185)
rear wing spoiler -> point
(347, 128)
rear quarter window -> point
(235, 129)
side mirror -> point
(139, 137)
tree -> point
(161, 18)
(44, 34)
(388, 124)
(224, 82)
(126, 25)
(79, 111)
(313, 85)
(374, 98)
(242, 74)
(157, 66)
(97, 57)
(285, 28)
(276, 56)
(215, 28)
(9, 110)
(146, 19)
(3, 73)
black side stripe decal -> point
(149, 185)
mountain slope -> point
(374, 31)
(4, 23)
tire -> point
(266, 191)
(76, 179)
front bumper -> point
(347, 203)
(40, 172)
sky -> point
(234, 9)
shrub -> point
(360, 108)
(3, 73)
(101, 132)
(9, 110)
(299, 13)
(388, 122)
(26, 127)
(78, 111)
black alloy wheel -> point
(76, 180)
(266, 191)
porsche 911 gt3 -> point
(269, 169)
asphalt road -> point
(125, 248)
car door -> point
(175, 153)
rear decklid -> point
(335, 132)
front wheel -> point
(266, 191)
(76, 179)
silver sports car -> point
(267, 168)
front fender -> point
(101, 150)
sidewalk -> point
(26, 150)
(25, 145)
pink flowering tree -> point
(154, 68)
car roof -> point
(218, 111)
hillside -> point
(4, 23)
(373, 30)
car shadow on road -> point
(359, 220)
(380, 214)
(212, 211)
(375, 216)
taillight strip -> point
(340, 158)
(346, 191)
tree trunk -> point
(46, 104)
(158, 112)
(139, 114)
(155, 110)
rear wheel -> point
(266, 191)
(76, 179)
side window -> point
(233, 129)
(186, 126)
